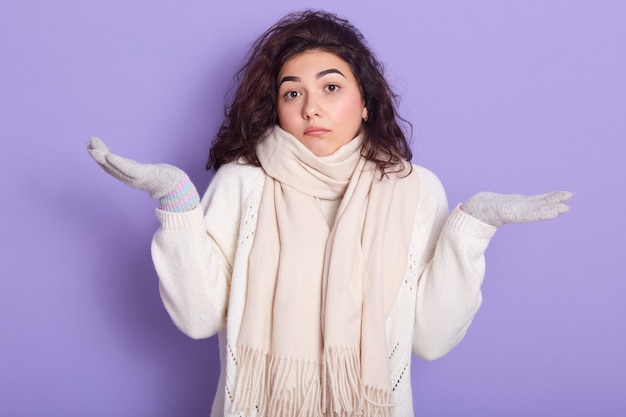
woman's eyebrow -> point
(289, 78)
(317, 76)
(329, 71)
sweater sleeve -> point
(193, 253)
(452, 268)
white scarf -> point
(312, 340)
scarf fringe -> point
(283, 387)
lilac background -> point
(510, 96)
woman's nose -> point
(312, 108)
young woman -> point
(320, 255)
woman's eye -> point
(292, 94)
(331, 88)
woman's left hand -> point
(498, 209)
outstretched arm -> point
(449, 294)
(193, 272)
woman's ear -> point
(364, 116)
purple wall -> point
(515, 96)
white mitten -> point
(170, 185)
(498, 209)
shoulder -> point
(432, 203)
(234, 184)
(427, 179)
(237, 176)
(238, 172)
(429, 188)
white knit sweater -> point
(201, 257)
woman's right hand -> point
(170, 185)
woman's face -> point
(319, 101)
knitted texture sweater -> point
(201, 257)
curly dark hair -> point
(253, 110)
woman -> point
(320, 255)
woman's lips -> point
(315, 131)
